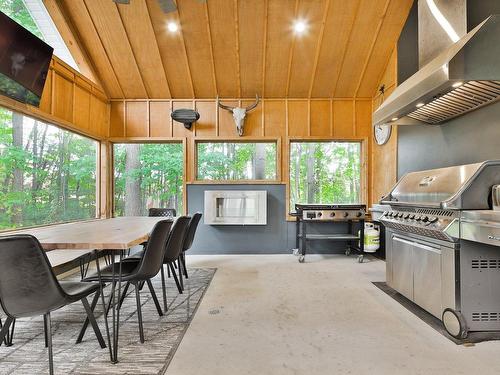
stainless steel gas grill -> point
(442, 244)
(329, 213)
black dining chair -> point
(136, 273)
(172, 252)
(188, 241)
(166, 212)
(29, 287)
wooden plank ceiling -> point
(237, 48)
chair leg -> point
(181, 271)
(155, 299)
(164, 288)
(5, 330)
(9, 335)
(91, 317)
(139, 312)
(184, 265)
(48, 331)
(174, 274)
(86, 323)
(45, 331)
(123, 295)
(111, 298)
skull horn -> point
(226, 107)
(250, 107)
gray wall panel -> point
(277, 237)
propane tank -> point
(372, 238)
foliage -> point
(47, 175)
(236, 161)
(325, 172)
(16, 9)
(160, 177)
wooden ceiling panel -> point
(397, 13)
(305, 47)
(252, 25)
(280, 16)
(234, 48)
(363, 34)
(172, 51)
(224, 31)
(338, 26)
(140, 33)
(198, 46)
(78, 17)
(110, 28)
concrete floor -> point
(271, 315)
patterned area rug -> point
(163, 335)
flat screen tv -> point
(24, 62)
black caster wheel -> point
(348, 252)
(295, 252)
(302, 258)
(360, 258)
(454, 323)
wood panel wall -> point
(274, 119)
(385, 158)
(70, 101)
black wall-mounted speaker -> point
(185, 116)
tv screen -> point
(24, 62)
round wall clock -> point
(382, 133)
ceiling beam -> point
(368, 57)
(72, 40)
(290, 56)
(318, 46)
(149, 95)
(346, 46)
(155, 42)
(209, 31)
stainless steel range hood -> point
(462, 78)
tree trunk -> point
(297, 172)
(133, 206)
(310, 174)
(18, 178)
(260, 161)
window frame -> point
(141, 140)
(24, 109)
(363, 141)
(277, 140)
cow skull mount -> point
(239, 113)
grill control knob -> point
(400, 214)
(412, 216)
(332, 214)
(359, 214)
(418, 218)
(433, 219)
(407, 216)
(425, 219)
(346, 214)
(320, 214)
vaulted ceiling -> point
(233, 48)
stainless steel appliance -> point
(325, 213)
(464, 77)
(235, 207)
(441, 244)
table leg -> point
(116, 307)
(104, 306)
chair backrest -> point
(28, 286)
(193, 225)
(152, 258)
(167, 212)
(176, 238)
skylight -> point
(33, 16)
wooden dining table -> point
(116, 234)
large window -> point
(325, 172)
(147, 175)
(225, 161)
(47, 174)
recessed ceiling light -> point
(299, 26)
(420, 105)
(394, 118)
(457, 84)
(172, 27)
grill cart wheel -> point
(348, 251)
(360, 258)
(454, 323)
(302, 258)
